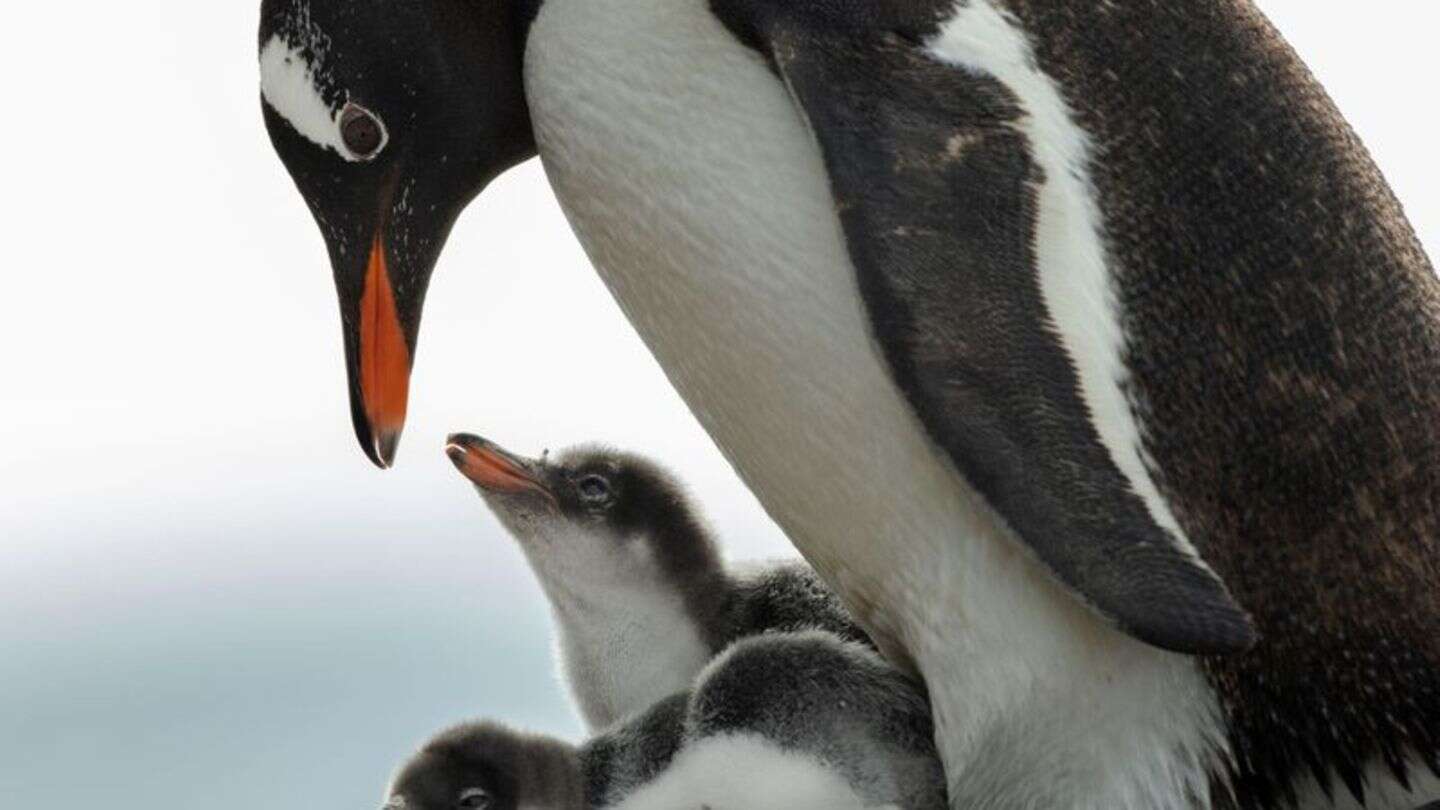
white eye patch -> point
(289, 85)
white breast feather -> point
(696, 189)
(744, 772)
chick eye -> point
(475, 799)
(362, 132)
(593, 488)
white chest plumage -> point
(696, 189)
(624, 636)
(622, 652)
(745, 772)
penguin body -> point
(856, 484)
(641, 597)
(787, 721)
(1080, 347)
(1213, 310)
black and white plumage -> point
(641, 597)
(787, 721)
(1018, 398)
(1040, 328)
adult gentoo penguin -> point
(641, 596)
(786, 721)
(1079, 346)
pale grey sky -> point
(186, 522)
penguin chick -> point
(802, 720)
(488, 766)
(641, 597)
(786, 721)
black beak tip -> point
(456, 452)
(387, 442)
(379, 446)
(467, 441)
(459, 446)
(373, 452)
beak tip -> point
(456, 454)
(460, 447)
(375, 458)
(387, 442)
(492, 468)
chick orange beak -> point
(384, 359)
(491, 468)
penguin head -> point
(485, 766)
(390, 118)
(590, 509)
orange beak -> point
(491, 468)
(384, 361)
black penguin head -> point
(592, 496)
(484, 766)
(390, 117)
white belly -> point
(744, 772)
(699, 194)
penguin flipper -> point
(937, 186)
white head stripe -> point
(288, 84)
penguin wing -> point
(939, 189)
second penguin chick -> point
(641, 596)
(784, 721)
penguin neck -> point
(637, 617)
(596, 580)
(692, 566)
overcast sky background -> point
(207, 596)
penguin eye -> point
(475, 799)
(594, 489)
(362, 132)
